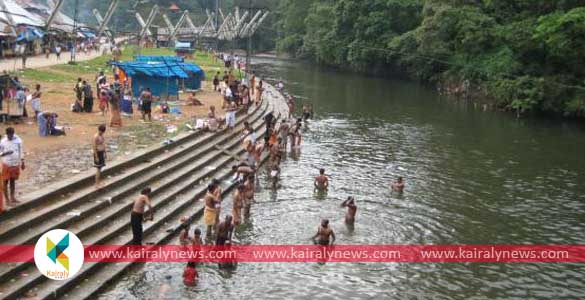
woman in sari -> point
(115, 117)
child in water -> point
(190, 274)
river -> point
(472, 177)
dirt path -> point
(40, 61)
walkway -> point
(39, 61)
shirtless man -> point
(398, 185)
(248, 194)
(224, 232)
(230, 115)
(99, 152)
(218, 192)
(137, 215)
(238, 204)
(324, 235)
(306, 113)
(146, 98)
(274, 174)
(295, 134)
(283, 132)
(321, 181)
(248, 131)
(253, 83)
(211, 208)
(351, 210)
(275, 153)
(291, 107)
(241, 171)
(184, 238)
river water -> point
(471, 177)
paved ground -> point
(13, 64)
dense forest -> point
(522, 55)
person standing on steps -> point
(2, 206)
(99, 152)
(230, 116)
(253, 83)
(12, 162)
(259, 91)
(137, 215)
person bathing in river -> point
(212, 203)
(351, 210)
(225, 230)
(325, 235)
(248, 194)
(321, 181)
(283, 133)
(275, 154)
(306, 113)
(295, 134)
(238, 204)
(274, 174)
(241, 171)
(184, 238)
(398, 185)
(190, 274)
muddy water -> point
(471, 177)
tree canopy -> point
(525, 54)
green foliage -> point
(562, 34)
(526, 54)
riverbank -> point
(50, 159)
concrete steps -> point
(178, 175)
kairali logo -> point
(59, 254)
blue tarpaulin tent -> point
(162, 74)
(30, 34)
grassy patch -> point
(92, 66)
(70, 73)
(43, 75)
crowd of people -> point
(280, 135)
